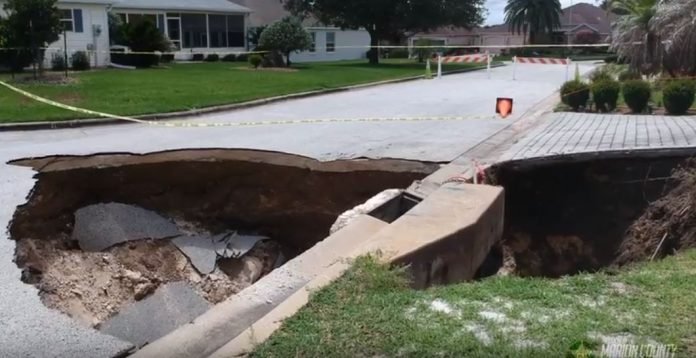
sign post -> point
(439, 66)
(567, 68)
(488, 64)
(514, 67)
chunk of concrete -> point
(100, 226)
(200, 251)
(171, 306)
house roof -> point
(494, 29)
(448, 31)
(585, 14)
(264, 12)
(181, 5)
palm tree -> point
(673, 22)
(535, 16)
(633, 38)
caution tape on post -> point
(189, 124)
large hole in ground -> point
(565, 217)
(292, 200)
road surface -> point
(30, 329)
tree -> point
(534, 16)
(30, 26)
(144, 36)
(253, 36)
(285, 36)
(386, 19)
(673, 23)
(117, 34)
(633, 39)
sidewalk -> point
(603, 134)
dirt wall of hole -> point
(294, 205)
(566, 217)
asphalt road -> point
(30, 329)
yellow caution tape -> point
(186, 124)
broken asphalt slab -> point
(233, 245)
(200, 251)
(100, 226)
(203, 251)
(171, 306)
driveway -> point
(30, 329)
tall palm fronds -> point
(538, 16)
(674, 23)
(633, 38)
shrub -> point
(143, 36)
(58, 62)
(167, 57)
(15, 60)
(230, 57)
(678, 96)
(636, 94)
(611, 59)
(605, 94)
(285, 37)
(629, 75)
(601, 75)
(243, 57)
(398, 53)
(198, 57)
(255, 60)
(575, 94)
(136, 59)
(80, 61)
(213, 57)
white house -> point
(86, 23)
(193, 26)
(329, 43)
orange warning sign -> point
(503, 106)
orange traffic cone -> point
(504, 107)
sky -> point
(496, 9)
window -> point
(66, 19)
(330, 42)
(71, 19)
(194, 28)
(218, 30)
(235, 31)
(313, 45)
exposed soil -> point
(668, 224)
(93, 286)
(292, 200)
(47, 78)
(567, 217)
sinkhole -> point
(289, 200)
(571, 215)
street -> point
(30, 329)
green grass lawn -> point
(188, 86)
(371, 312)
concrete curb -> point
(79, 123)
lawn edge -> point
(78, 123)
